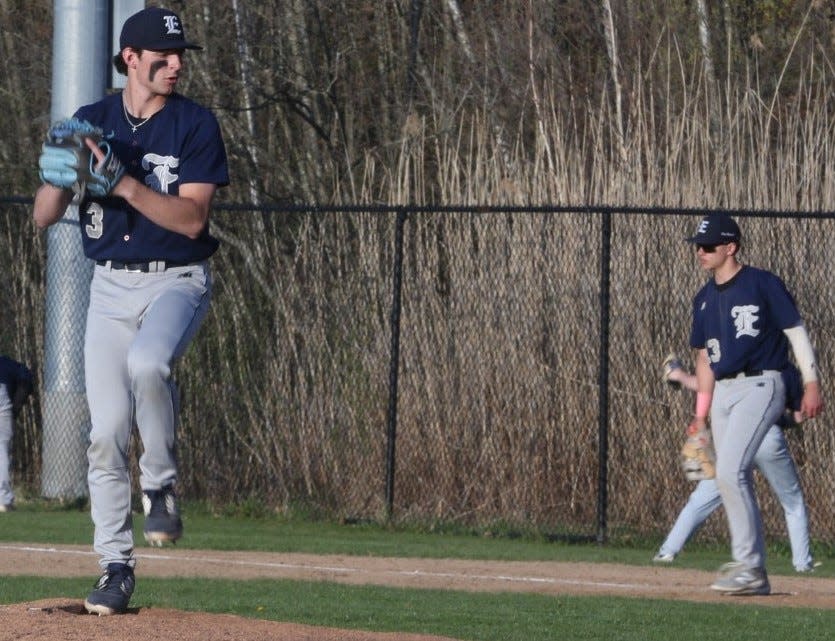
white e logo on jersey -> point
(744, 318)
(172, 24)
(161, 171)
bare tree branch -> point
(614, 72)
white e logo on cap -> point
(172, 24)
(703, 227)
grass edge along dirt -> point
(49, 523)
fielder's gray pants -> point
(774, 461)
(6, 425)
(138, 324)
(743, 410)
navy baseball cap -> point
(716, 229)
(156, 29)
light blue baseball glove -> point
(65, 158)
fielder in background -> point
(16, 385)
(744, 320)
(144, 199)
(772, 459)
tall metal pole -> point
(80, 58)
(603, 378)
(396, 300)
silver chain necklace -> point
(130, 122)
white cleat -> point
(663, 558)
(737, 579)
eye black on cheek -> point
(154, 69)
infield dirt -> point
(63, 618)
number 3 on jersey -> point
(714, 353)
(95, 227)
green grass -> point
(456, 614)
(460, 615)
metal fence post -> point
(397, 288)
(603, 380)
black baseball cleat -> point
(112, 591)
(162, 518)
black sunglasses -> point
(709, 249)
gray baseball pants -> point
(777, 466)
(743, 411)
(138, 325)
(6, 425)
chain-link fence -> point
(528, 386)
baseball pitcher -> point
(145, 164)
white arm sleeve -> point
(803, 352)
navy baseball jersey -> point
(17, 379)
(12, 373)
(794, 395)
(179, 144)
(740, 323)
(794, 387)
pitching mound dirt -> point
(66, 620)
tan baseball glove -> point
(698, 458)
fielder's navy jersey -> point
(13, 374)
(740, 323)
(179, 144)
(794, 387)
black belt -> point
(744, 373)
(150, 266)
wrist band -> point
(703, 400)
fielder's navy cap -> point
(155, 29)
(716, 229)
